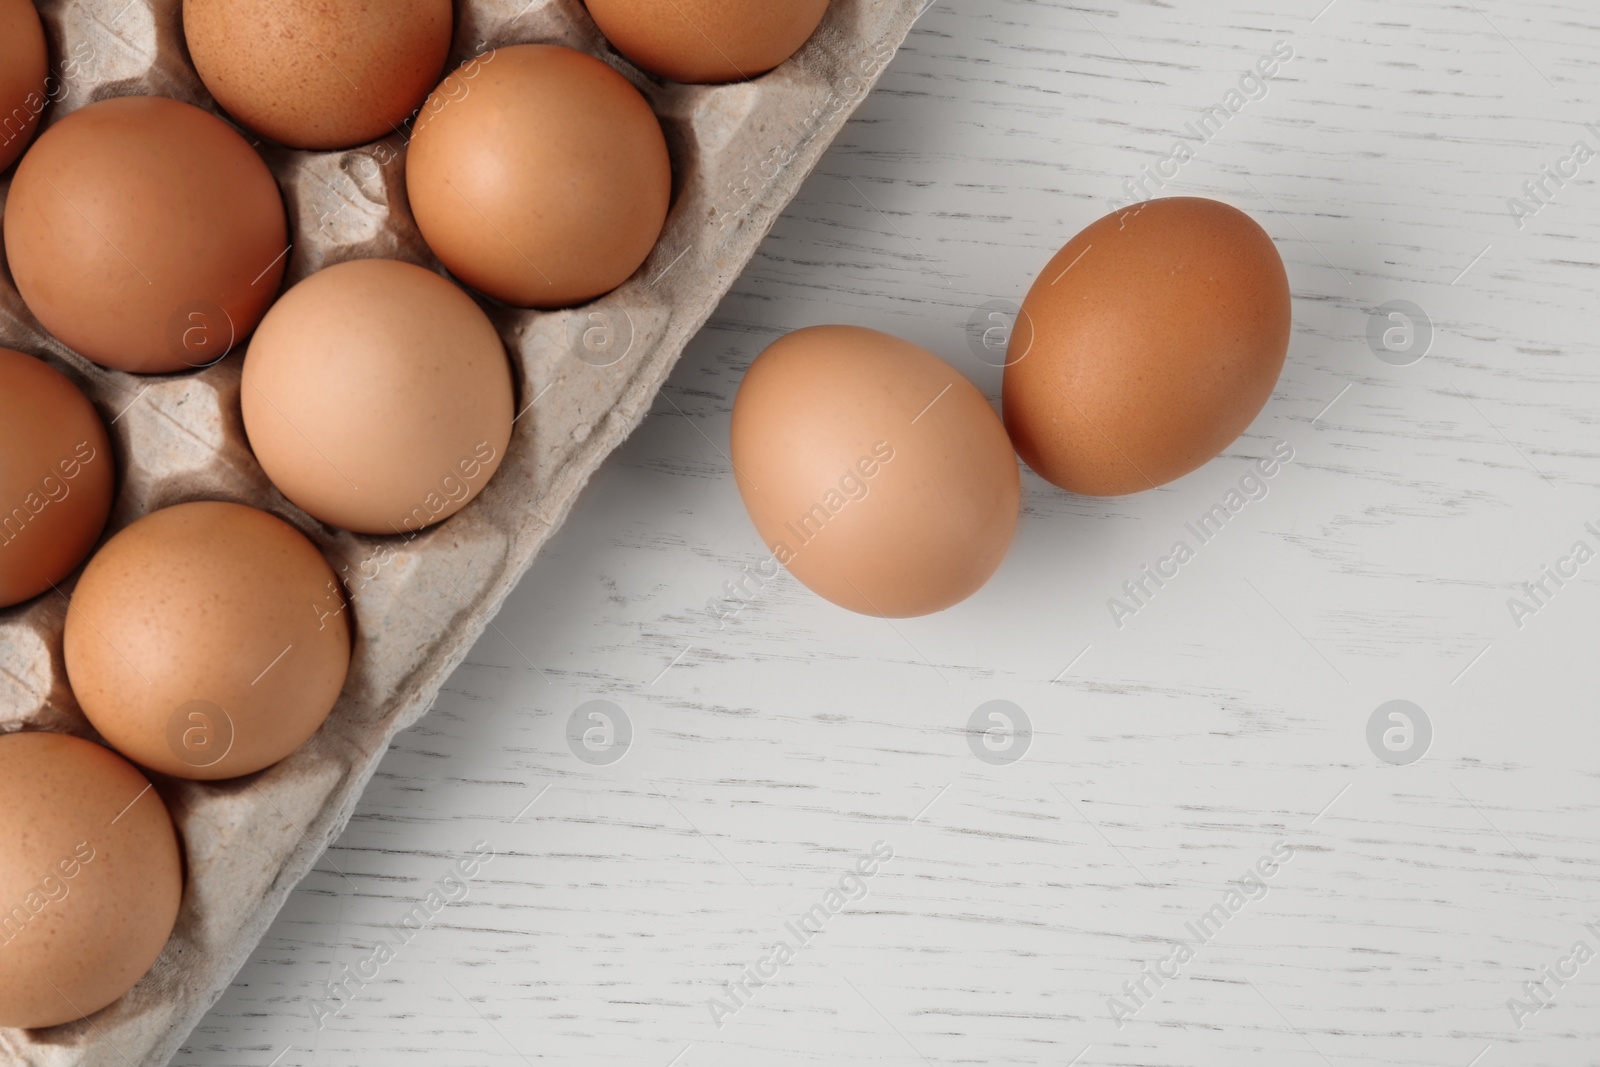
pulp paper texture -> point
(585, 378)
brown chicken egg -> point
(319, 73)
(146, 234)
(207, 640)
(539, 175)
(24, 68)
(877, 474)
(707, 40)
(56, 476)
(1146, 346)
(377, 396)
(91, 878)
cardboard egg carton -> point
(585, 378)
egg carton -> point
(585, 379)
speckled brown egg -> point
(56, 476)
(91, 878)
(707, 40)
(319, 73)
(1146, 346)
(207, 640)
(539, 175)
(24, 67)
(876, 473)
(377, 396)
(146, 234)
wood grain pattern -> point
(1167, 755)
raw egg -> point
(707, 40)
(1146, 346)
(878, 475)
(377, 396)
(539, 175)
(56, 476)
(91, 878)
(319, 73)
(146, 234)
(207, 640)
(24, 67)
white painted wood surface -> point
(1169, 755)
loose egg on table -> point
(146, 234)
(539, 175)
(24, 68)
(378, 397)
(91, 878)
(1146, 346)
(319, 73)
(207, 640)
(877, 474)
(56, 476)
(707, 40)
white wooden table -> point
(1226, 719)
